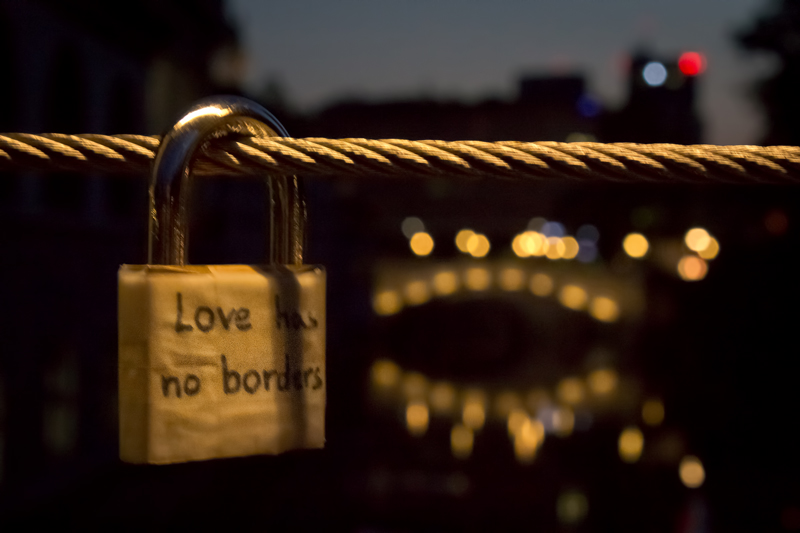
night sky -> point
(321, 51)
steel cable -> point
(507, 160)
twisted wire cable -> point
(506, 160)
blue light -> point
(553, 229)
(587, 252)
(654, 74)
(588, 106)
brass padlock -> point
(219, 360)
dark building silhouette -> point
(775, 33)
(546, 108)
(657, 110)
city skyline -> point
(356, 49)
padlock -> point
(219, 360)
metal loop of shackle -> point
(169, 190)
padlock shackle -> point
(212, 118)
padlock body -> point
(220, 361)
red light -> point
(692, 63)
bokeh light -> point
(541, 284)
(563, 421)
(520, 250)
(692, 268)
(529, 243)
(553, 229)
(653, 412)
(711, 251)
(462, 238)
(516, 418)
(570, 390)
(417, 418)
(411, 225)
(536, 223)
(421, 244)
(527, 440)
(635, 245)
(697, 239)
(631, 444)
(478, 245)
(691, 472)
(417, 292)
(443, 398)
(555, 248)
(692, 63)
(415, 386)
(654, 74)
(571, 247)
(474, 412)
(477, 279)
(511, 279)
(387, 302)
(385, 373)
(445, 283)
(604, 309)
(461, 441)
(573, 296)
(602, 381)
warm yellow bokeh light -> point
(631, 444)
(635, 245)
(604, 309)
(385, 373)
(387, 302)
(516, 418)
(445, 283)
(571, 247)
(462, 237)
(526, 440)
(417, 292)
(417, 418)
(541, 284)
(415, 386)
(573, 297)
(653, 412)
(461, 441)
(511, 279)
(535, 243)
(443, 398)
(477, 279)
(421, 243)
(692, 268)
(570, 390)
(697, 239)
(478, 245)
(555, 248)
(603, 381)
(691, 472)
(474, 412)
(520, 250)
(711, 251)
